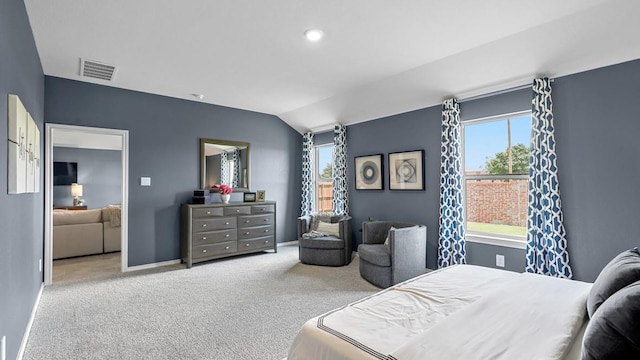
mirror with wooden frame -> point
(224, 162)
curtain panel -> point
(236, 168)
(451, 243)
(224, 168)
(340, 189)
(546, 237)
(307, 174)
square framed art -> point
(369, 172)
(406, 170)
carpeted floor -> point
(247, 307)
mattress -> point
(460, 312)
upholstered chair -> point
(327, 250)
(402, 258)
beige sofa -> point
(85, 232)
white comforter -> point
(461, 312)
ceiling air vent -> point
(96, 70)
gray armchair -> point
(325, 250)
(403, 258)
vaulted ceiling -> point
(377, 57)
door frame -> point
(48, 196)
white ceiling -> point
(378, 57)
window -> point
(496, 163)
(323, 184)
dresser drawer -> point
(211, 237)
(202, 225)
(265, 242)
(207, 212)
(237, 210)
(202, 251)
(253, 232)
(261, 209)
(255, 220)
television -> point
(65, 173)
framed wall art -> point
(369, 172)
(406, 170)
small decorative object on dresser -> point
(225, 192)
(249, 197)
(214, 231)
(261, 195)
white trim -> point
(492, 118)
(25, 337)
(48, 197)
(153, 265)
(496, 240)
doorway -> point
(82, 137)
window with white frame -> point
(323, 182)
(496, 170)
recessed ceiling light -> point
(313, 34)
(198, 96)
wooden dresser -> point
(213, 231)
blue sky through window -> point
(482, 141)
(325, 156)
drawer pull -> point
(247, 233)
(264, 219)
(205, 250)
(227, 248)
(266, 241)
(266, 230)
(237, 210)
(227, 223)
(247, 221)
(261, 209)
(208, 212)
(204, 225)
(247, 245)
(227, 235)
(204, 238)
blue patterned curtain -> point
(224, 168)
(546, 238)
(340, 192)
(307, 174)
(451, 245)
(236, 168)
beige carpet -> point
(84, 268)
(245, 307)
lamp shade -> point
(76, 190)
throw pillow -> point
(386, 241)
(612, 332)
(623, 270)
(313, 224)
(328, 228)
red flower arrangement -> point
(223, 189)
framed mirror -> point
(224, 162)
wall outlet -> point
(40, 265)
(499, 260)
(3, 348)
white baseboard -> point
(25, 337)
(153, 265)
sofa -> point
(86, 232)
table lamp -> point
(76, 192)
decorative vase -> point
(225, 198)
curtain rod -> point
(499, 92)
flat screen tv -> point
(65, 173)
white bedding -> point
(461, 312)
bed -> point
(460, 312)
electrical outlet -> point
(40, 265)
(499, 260)
(3, 348)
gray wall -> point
(164, 144)
(21, 216)
(597, 131)
(99, 173)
